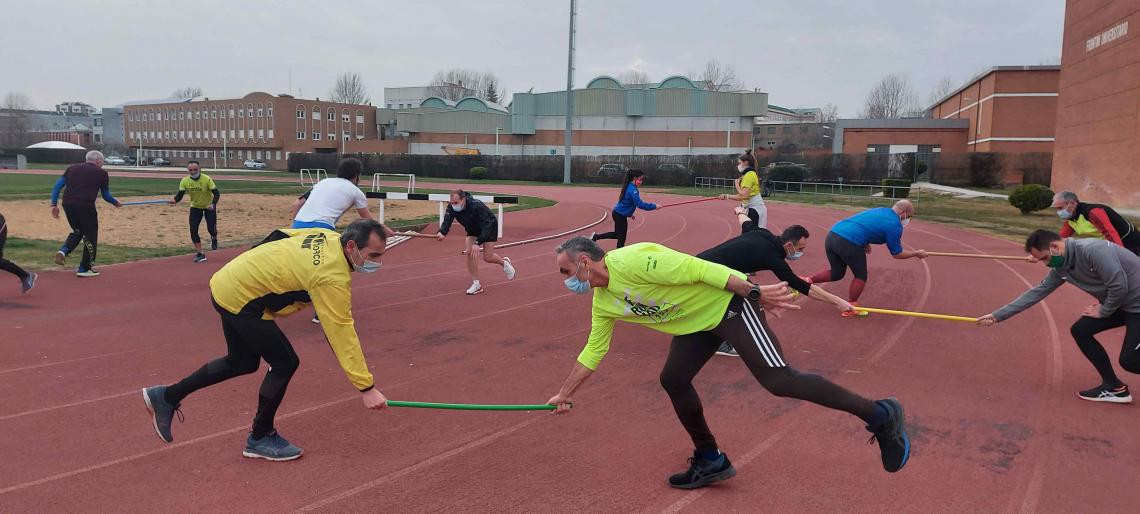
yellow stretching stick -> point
(918, 314)
(977, 256)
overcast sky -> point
(803, 53)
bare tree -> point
(18, 101)
(632, 76)
(456, 84)
(187, 92)
(892, 97)
(827, 114)
(349, 89)
(941, 89)
(719, 77)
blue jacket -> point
(631, 201)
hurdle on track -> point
(410, 177)
(443, 199)
(313, 174)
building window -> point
(260, 112)
(332, 115)
(214, 115)
(787, 129)
(269, 110)
(316, 113)
(300, 134)
(241, 133)
(359, 116)
(771, 130)
(300, 112)
(241, 113)
(197, 115)
(316, 136)
(231, 133)
(345, 133)
(277, 155)
(259, 154)
(270, 133)
(261, 133)
(389, 106)
(332, 137)
(344, 117)
(213, 134)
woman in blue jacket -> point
(628, 201)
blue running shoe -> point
(161, 412)
(271, 447)
(703, 472)
(891, 435)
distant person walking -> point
(80, 184)
(204, 197)
(27, 280)
(629, 200)
(748, 190)
(1094, 220)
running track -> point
(995, 423)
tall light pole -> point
(728, 135)
(497, 130)
(569, 95)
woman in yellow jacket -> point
(748, 190)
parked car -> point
(159, 161)
(254, 164)
(129, 160)
(612, 170)
(671, 167)
(115, 159)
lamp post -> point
(497, 130)
(728, 134)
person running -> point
(27, 280)
(1106, 271)
(274, 279)
(1094, 220)
(701, 303)
(629, 200)
(322, 206)
(80, 184)
(204, 197)
(850, 240)
(757, 249)
(482, 231)
(748, 190)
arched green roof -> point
(435, 101)
(472, 103)
(604, 82)
(678, 82)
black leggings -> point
(84, 223)
(1086, 327)
(745, 327)
(6, 264)
(621, 226)
(196, 221)
(248, 340)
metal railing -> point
(713, 182)
(851, 191)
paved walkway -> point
(962, 192)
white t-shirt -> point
(329, 199)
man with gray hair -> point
(80, 184)
(701, 303)
(1094, 220)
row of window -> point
(317, 136)
(788, 129)
(331, 116)
(184, 135)
(185, 114)
(209, 154)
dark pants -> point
(6, 264)
(1086, 327)
(621, 226)
(84, 221)
(248, 340)
(1132, 242)
(843, 254)
(744, 326)
(196, 216)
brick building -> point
(1098, 119)
(1009, 108)
(257, 126)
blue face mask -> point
(795, 256)
(577, 285)
(367, 266)
(1064, 214)
(457, 207)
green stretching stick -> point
(468, 406)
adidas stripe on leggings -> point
(744, 326)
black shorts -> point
(485, 234)
(843, 254)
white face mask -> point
(741, 167)
(906, 222)
(457, 207)
(366, 266)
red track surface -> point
(994, 419)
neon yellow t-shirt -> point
(655, 286)
(199, 190)
(751, 181)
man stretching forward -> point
(701, 304)
(274, 279)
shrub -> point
(896, 187)
(477, 173)
(787, 173)
(1031, 197)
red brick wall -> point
(856, 140)
(1097, 151)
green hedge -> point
(787, 173)
(1031, 197)
(896, 187)
(477, 173)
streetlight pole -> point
(728, 135)
(497, 130)
(569, 95)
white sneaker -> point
(593, 235)
(508, 268)
(316, 320)
(475, 288)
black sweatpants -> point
(621, 227)
(6, 264)
(248, 340)
(1132, 242)
(1086, 327)
(196, 216)
(84, 221)
(744, 326)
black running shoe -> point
(213, 244)
(703, 472)
(1103, 393)
(891, 435)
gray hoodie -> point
(1108, 272)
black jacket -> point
(756, 249)
(475, 217)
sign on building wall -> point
(1112, 34)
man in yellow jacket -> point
(292, 269)
(700, 304)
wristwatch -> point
(754, 293)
